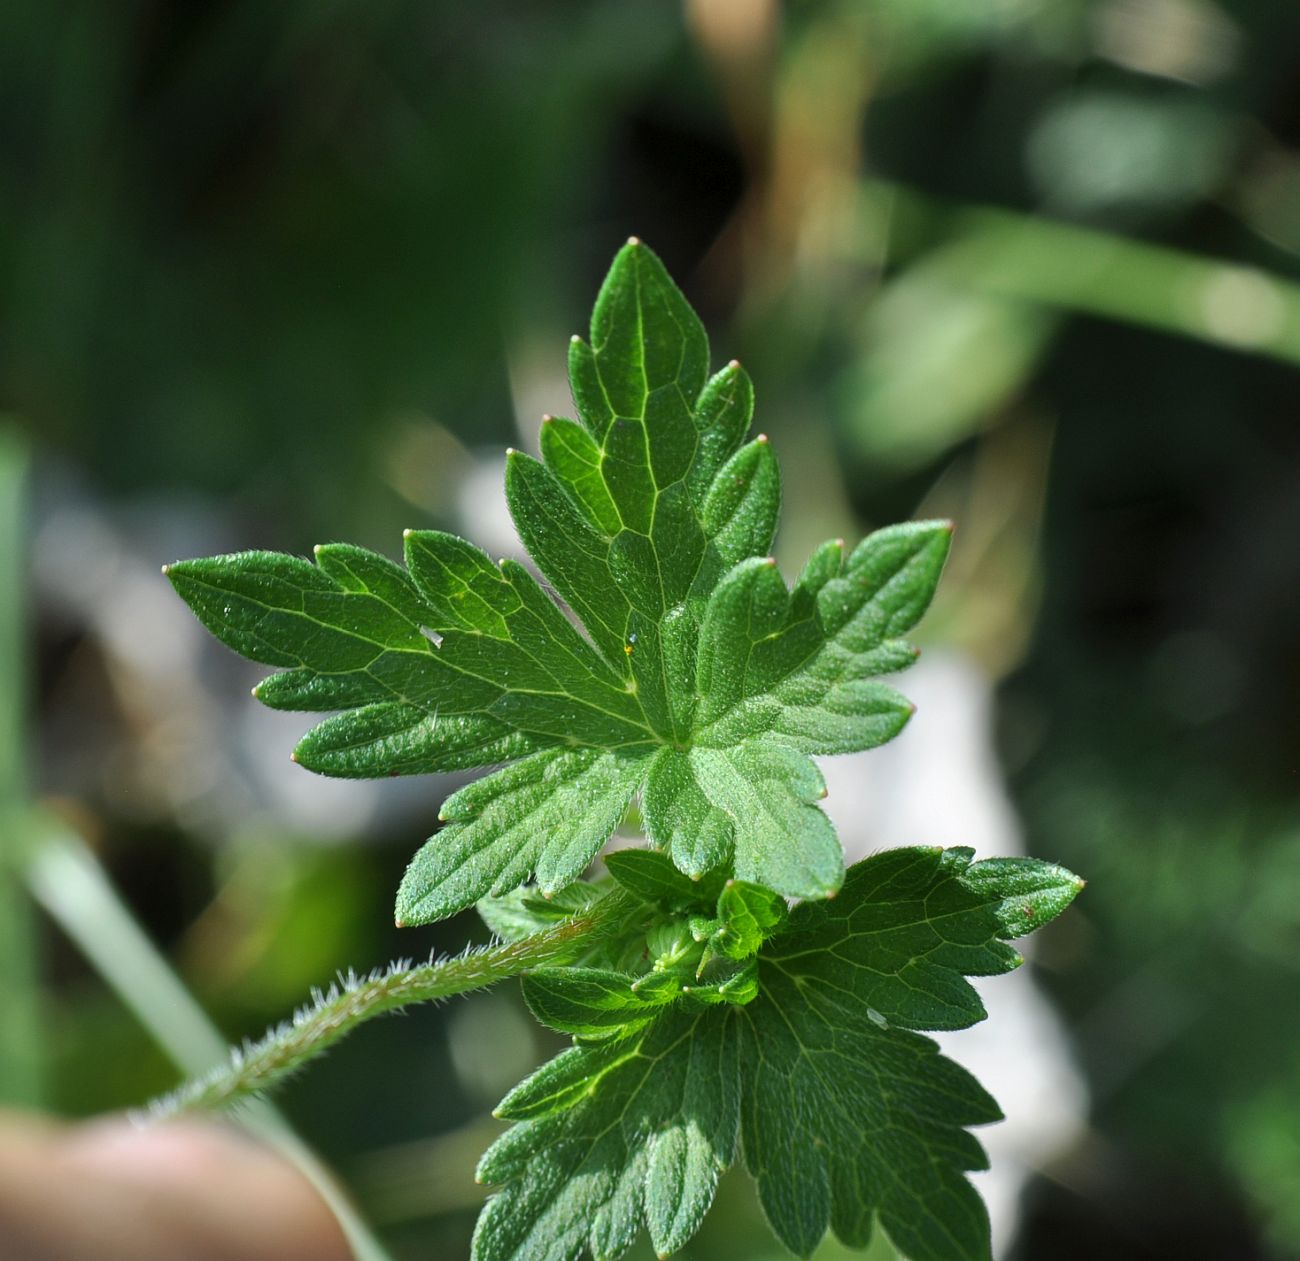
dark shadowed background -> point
(275, 275)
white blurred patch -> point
(1191, 40)
(481, 507)
(492, 1046)
(1243, 307)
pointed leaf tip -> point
(1030, 893)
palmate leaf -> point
(695, 679)
(845, 1115)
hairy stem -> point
(258, 1068)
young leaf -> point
(695, 677)
(652, 877)
(524, 911)
(512, 916)
(748, 915)
(847, 1115)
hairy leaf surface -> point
(694, 677)
(846, 1115)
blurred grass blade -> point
(69, 883)
(1055, 264)
(20, 1031)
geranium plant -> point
(733, 994)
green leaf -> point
(691, 675)
(748, 915)
(848, 1115)
(1032, 893)
(588, 1002)
(619, 1135)
(524, 911)
(514, 915)
(652, 877)
(740, 512)
(798, 664)
(666, 657)
(753, 804)
(548, 814)
(565, 1080)
(391, 738)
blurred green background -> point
(278, 274)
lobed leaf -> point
(619, 1136)
(1030, 894)
(524, 911)
(798, 664)
(391, 738)
(670, 659)
(695, 677)
(848, 1116)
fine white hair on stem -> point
(256, 1067)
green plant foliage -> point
(708, 1018)
(701, 682)
(845, 1115)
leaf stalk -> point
(258, 1067)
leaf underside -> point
(846, 1116)
(697, 678)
